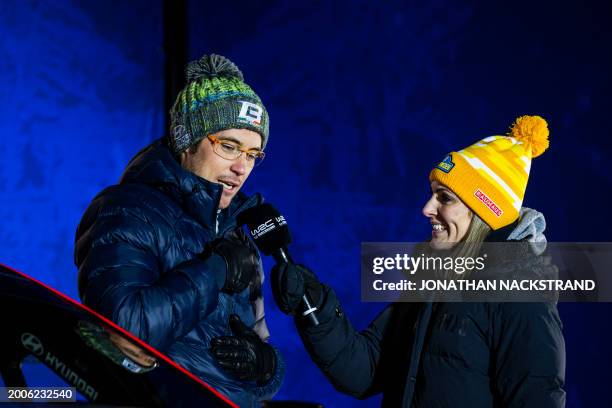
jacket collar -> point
(502, 234)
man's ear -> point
(182, 157)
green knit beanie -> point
(214, 99)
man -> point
(160, 253)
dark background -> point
(364, 98)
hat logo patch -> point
(488, 202)
(250, 113)
(446, 165)
(181, 136)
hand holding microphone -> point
(296, 289)
(290, 283)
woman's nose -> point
(430, 209)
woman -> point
(462, 354)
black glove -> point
(244, 355)
(290, 282)
(241, 261)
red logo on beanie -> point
(488, 202)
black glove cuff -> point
(267, 358)
(241, 263)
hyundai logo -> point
(32, 344)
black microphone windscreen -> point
(267, 226)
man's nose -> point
(239, 166)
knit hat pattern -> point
(215, 98)
(491, 176)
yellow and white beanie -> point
(491, 175)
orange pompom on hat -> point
(491, 175)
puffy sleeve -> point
(120, 277)
(350, 359)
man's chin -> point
(226, 199)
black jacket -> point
(470, 354)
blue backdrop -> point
(364, 99)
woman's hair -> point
(468, 247)
(474, 237)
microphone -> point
(271, 234)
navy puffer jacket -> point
(136, 249)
